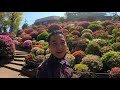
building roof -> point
(48, 18)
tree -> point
(91, 16)
(115, 16)
(25, 25)
(14, 19)
(5, 25)
(1, 20)
(70, 16)
(62, 20)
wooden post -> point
(94, 74)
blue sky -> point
(32, 16)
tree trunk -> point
(4, 29)
(11, 28)
(0, 30)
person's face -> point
(58, 45)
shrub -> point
(116, 46)
(64, 31)
(70, 58)
(7, 47)
(29, 63)
(43, 43)
(34, 41)
(95, 22)
(94, 27)
(84, 24)
(93, 48)
(87, 35)
(115, 72)
(100, 34)
(110, 37)
(53, 27)
(22, 34)
(26, 37)
(37, 46)
(40, 30)
(12, 35)
(106, 49)
(4, 33)
(47, 51)
(39, 59)
(19, 45)
(19, 32)
(42, 26)
(116, 32)
(101, 42)
(78, 56)
(28, 31)
(78, 68)
(112, 40)
(43, 36)
(69, 28)
(34, 34)
(69, 42)
(16, 42)
(118, 39)
(79, 28)
(109, 28)
(93, 62)
(34, 49)
(110, 59)
(106, 23)
(81, 44)
(34, 27)
(27, 44)
(40, 51)
(75, 32)
(86, 30)
(47, 56)
(118, 25)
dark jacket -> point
(54, 68)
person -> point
(55, 66)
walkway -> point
(13, 69)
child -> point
(55, 66)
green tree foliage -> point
(25, 25)
(62, 20)
(14, 19)
(84, 16)
(2, 21)
(10, 20)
